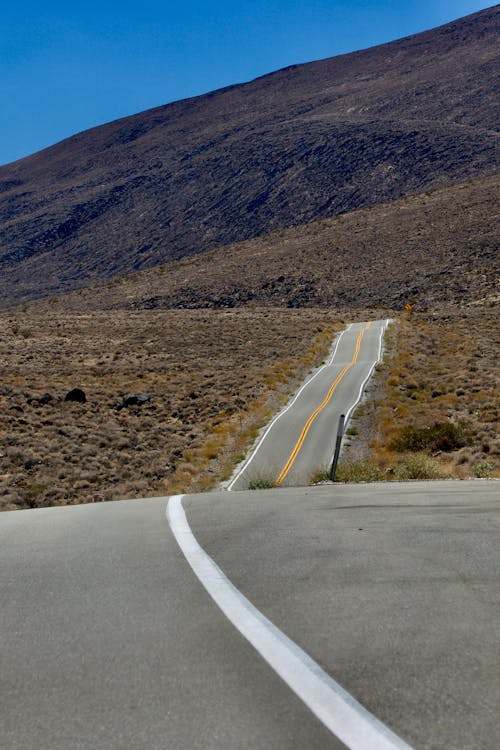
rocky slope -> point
(431, 250)
(306, 142)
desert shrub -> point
(211, 449)
(32, 493)
(463, 456)
(441, 436)
(320, 475)
(359, 471)
(417, 466)
(482, 469)
(260, 483)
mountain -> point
(433, 250)
(310, 141)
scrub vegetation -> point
(173, 398)
(261, 483)
(203, 259)
(433, 407)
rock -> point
(41, 400)
(76, 394)
(133, 399)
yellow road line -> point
(298, 445)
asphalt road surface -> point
(110, 640)
(301, 439)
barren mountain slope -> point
(436, 248)
(308, 141)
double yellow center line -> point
(298, 445)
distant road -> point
(301, 439)
(390, 591)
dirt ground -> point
(207, 381)
(442, 368)
(212, 378)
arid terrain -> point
(216, 341)
(213, 378)
(439, 247)
(433, 407)
(308, 142)
(185, 267)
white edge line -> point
(284, 411)
(379, 355)
(347, 719)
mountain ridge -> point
(435, 249)
(308, 141)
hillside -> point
(432, 249)
(307, 142)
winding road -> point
(336, 616)
(301, 439)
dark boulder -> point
(134, 399)
(76, 394)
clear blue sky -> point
(67, 66)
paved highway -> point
(110, 639)
(301, 439)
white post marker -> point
(356, 727)
(365, 381)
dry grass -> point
(440, 369)
(214, 378)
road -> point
(301, 439)
(109, 639)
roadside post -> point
(340, 435)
